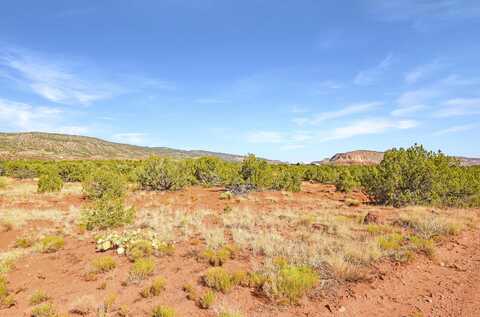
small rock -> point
(342, 309)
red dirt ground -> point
(447, 286)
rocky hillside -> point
(364, 157)
(51, 146)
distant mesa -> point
(365, 157)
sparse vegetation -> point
(163, 311)
(206, 300)
(219, 279)
(162, 174)
(141, 269)
(155, 289)
(44, 310)
(103, 264)
(107, 213)
(50, 182)
(51, 244)
(38, 297)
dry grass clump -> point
(206, 300)
(139, 249)
(286, 284)
(163, 311)
(428, 225)
(190, 291)
(155, 289)
(50, 244)
(24, 242)
(219, 279)
(38, 297)
(426, 246)
(7, 260)
(229, 314)
(6, 226)
(44, 310)
(141, 269)
(103, 264)
(6, 299)
(217, 257)
(83, 305)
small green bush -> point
(24, 242)
(161, 174)
(3, 182)
(103, 183)
(345, 181)
(107, 213)
(163, 311)
(287, 179)
(49, 183)
(51, 244)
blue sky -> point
(296, 80)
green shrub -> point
(160, 174)
(230, 314)
(51, 244)
(107, 213)
(208, 171)
(287, 179)
(163, 311)
(415, 176)
(49, 182)
(256, 172)
(103, 183)
(345, 181)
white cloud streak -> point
(23, 117)
(368, 126)
(459, 107)
(371, 75)
(349, 110)
(454, 129)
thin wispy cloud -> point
(349, 110)
(265, 137)
(413, 101)
(367, 127)
(53, 81)
(459, 107)
(210, 101)
(429, 9)
(17, 116)
(455, 129)
(135, 138)
(369, 76)
(422, 71)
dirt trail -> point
(448, 287)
